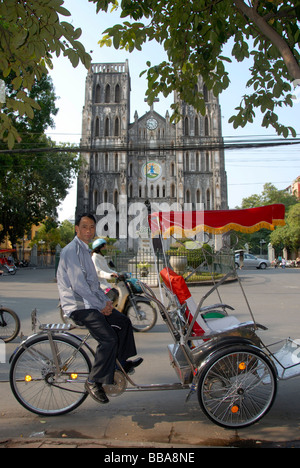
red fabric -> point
(187, 223)
(178, 286)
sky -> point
(247, 170)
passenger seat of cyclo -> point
(176, 284)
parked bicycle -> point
(9, 324)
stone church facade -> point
(150, 158)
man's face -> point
(86, 230)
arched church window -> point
(105, 196)
(188, 196)
(106, 162)
(98, 94)
(206, 126)
(198, 166)
(117, 93)
(208, 200)
(187, 162)
(205, 93)
(97, 127)
(116, 162)
(106, 127)
(207, 161)
(196, 126)
(107, 93)
(96, 199)
(117, 127)
(186, 126)
(116, 198)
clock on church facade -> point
(151, 158)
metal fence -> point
(145, 264)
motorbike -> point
(131, 302)
(141, 310)
(9, 269)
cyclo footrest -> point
(56, 327)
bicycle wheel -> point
(237, 388)
(9, 325)
(142, 314)
(38, 386)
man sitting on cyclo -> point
(84, 301)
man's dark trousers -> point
(114, 335)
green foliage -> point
(50, 234)
(31, 33)
(194, 34)
(288, 235)
(282, 236)
(32, 185)
(195, 256)
(269, 195)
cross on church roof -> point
(152, 105)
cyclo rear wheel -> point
(237, 387)
(35, 382)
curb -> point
(88, 443)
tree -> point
(269, 196)
(32, 185)
(194, 33)
(288, 235)
(31, 32)
(33, 189)
(67, 232)
(51, 234)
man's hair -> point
(84, 215)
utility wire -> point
(212, 146)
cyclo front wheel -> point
(237, 387)
(38, 386)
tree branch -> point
(284, 49)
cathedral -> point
(126, 163)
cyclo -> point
(214, 355)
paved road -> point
(159, 417)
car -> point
(252, 261)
